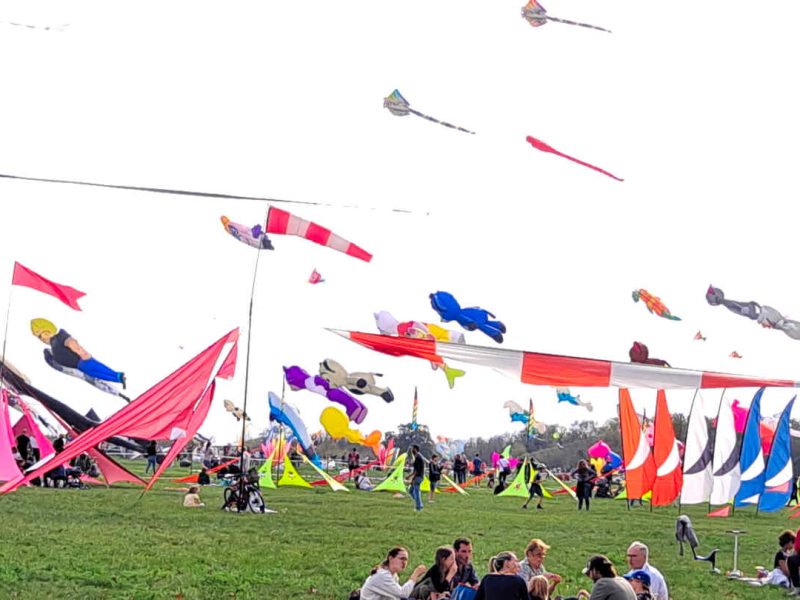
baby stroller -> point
(684, 532)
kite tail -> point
(672, 317)
(445, 123)
(575, 23)
(451, 375)
(539, 145)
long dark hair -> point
(442, 553)
(389, 555)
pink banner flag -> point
(25, 277)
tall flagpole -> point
(686, 441)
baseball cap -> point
(597, 562)
(639, 574)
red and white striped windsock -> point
(285, 223)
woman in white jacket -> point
(384, 584)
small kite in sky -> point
(252, 236)
(639, 353)
(315, 277)
(735, 354)
(653, 304)
(766, 316)
(699, 337)
(564, 395)
(357, 383)
(520, 415)
(399, 106)
(535, 14)
(540, 145)
(69, 357)
(470, 319)
(235, 411)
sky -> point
(695, 107)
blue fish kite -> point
(564, 395)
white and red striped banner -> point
(554, 370)
(285, 223)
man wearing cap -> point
(640, 582)
(607, 584)
(637, 557)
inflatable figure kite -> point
(469, 318)
(69, 357)
(357, 383)
(640, 354)
(252, 236)
(535, 14)
(235, 410)
(399, 106)
(520, 415)
(390, 326)
(447, 448)
(653, 304)
(766, 316)
(564, 395)
(315, 277)
(298, 379)
(542, 146)
(337, 425)
(735, 354)
(286, 414)
(699, 337)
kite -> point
(653, 304)
(399, 106)
(357, 383)
(67, 356)
(447, 448)
(315, 277)
(766, 316)
(469, 318)
(337, 425)
(286, 414)
(252, 236)
(390, 326)
(540, 145)
(520, 415)
(535, 14)
(564, 395)
(237, 412)
(699, 336)
(734, 354)
(640, 354)
(298, 379)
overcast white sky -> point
(695, 106)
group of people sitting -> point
(786, 564)
(453, 576)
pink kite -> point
(315, 277)
(540, 145)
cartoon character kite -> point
(653, 304)
(390, 326)
(298, 379)
(535, 14)
(520, 415)
(766, 316)
(639, 353)
(337, 425)
(469, 318)
(69, 357)
(357, 383)
(399, 106)
(252, 236)
(235, 410)
(564, 395)
(540, 145)
(699, 336)
(735, 354)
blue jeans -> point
(415, 493)
(94, 368)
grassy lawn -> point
(113, 543)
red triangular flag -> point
(68, 295)
(725, 511)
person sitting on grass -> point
(539, 588)
(779, 575)
(203, 478)
(533, 565)
(640, 582)
(363, 482)
(503, 582)
(383, 582)
(436, 582)
(607, 584)
(192, 498)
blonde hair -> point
(40, 326)
(538, 586)
(536, 544)
(498, 562)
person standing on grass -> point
(383, 582)
(417, 475)
(434, 475)
(584, 474)
(353, 462)
(535, 489)
(152, 457)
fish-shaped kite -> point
(653, 304)
(766, 316)
(564, 395)
(535, 14)
(540, 145)
(399, 106)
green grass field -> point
(113, 543)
